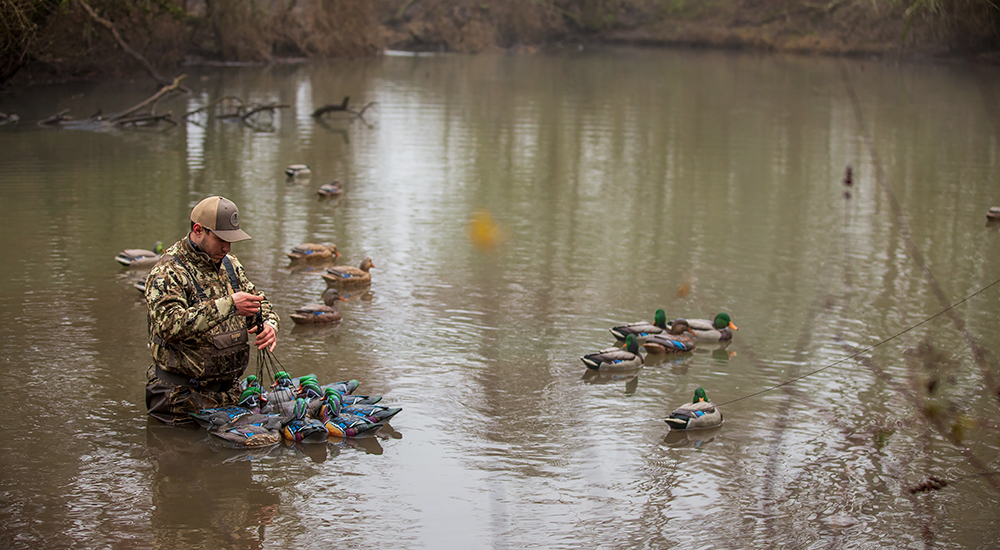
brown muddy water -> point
(617, 177)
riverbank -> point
(115, 39)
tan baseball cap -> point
(221, 216)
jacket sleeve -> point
(266, 308)
(171, 317)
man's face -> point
(212, 245)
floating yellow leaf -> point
(484, 233)
(685, 287)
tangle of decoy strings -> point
(866, 350)
(266, 361)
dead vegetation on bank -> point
(80, 38)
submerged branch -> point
(152, 99)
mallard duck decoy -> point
(616, 358)
(139, 257)
(297, 170)
(700, 413)
(332, 189)
(311, 314)
(300, 428)
(642, 329)
(312, 252)
(993, 214)
(719, 330)
(347, 276)
(677, 340)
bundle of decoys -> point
(299, 410)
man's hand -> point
(246, 304)
(267, 337)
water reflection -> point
(616, 177)
(194, 485)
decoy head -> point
(300, 408)
(632, 344)
(679, 326)
(333, 400)
(722, 321)
(252, 381)
(253, 397)
(366, 264)
(282, 379)
(660, 319)
(331, 296)
(699, 395)
(310, 390)
(158, 247)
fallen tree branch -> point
(343, 108)
(330, 108)
(215, 102)
(121, 42)
(269, 107)
(144, 120)
(152, 99)
(57, 118)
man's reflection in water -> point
(204, 496)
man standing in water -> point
(201, 305)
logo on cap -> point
(235, 220)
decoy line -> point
(869, 348)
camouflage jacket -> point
(200, 338)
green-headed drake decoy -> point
(616, 358)
(700, 413)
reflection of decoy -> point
(297, 170)
(848, 182)
(616, 358)
(139, 257)
(331, 189)
(311, 252)
(642, 329)
(695, 438)
(993, 214)
(678, 340)
(347, 276)
(700, 413)
(719, 330)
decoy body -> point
(347, 276)
(311, 252)
(719, 330)
(300, 428)
(700, 413)
(332, 189)
(642, 329)
(341, 424)
(139, 257)
(297, 170)
(311, 314)
(677, 340)
(616, 358)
